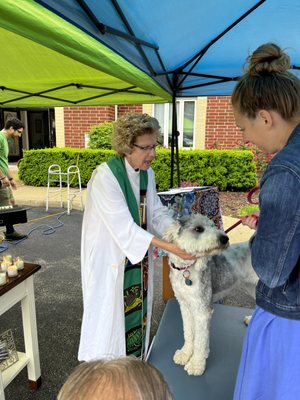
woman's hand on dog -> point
(251, 220)
(180, 253)
(172, 248)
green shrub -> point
(33, 167)
(100, 136)
(248, 209)
(261, 158)
(226, 169)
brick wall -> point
(220, 124)
(220, 127)
(79, 120)
(125, 108)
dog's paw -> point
(181, 357)
(195, 367)
(206, 353)
(247, 320)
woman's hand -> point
(5, 182)
(12, 183)
(180, 253)
(171, 248)
(250, 220)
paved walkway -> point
(36, 196)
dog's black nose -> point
(224, 239)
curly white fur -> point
(217, 269)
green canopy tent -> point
(47, 62)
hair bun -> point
(268, 59)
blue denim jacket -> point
(275, 248)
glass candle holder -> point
(19, 263)
(12, 271)
(2, 278)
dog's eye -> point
(199, 229)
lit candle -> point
(4, 266)
(19, 263)
(8, 259)
(12, 271)
(2, 278)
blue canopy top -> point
(191, 47)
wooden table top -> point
(29, 269)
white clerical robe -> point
(109, 235)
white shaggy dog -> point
(198, 283)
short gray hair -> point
(127, 128)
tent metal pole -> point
(108, 29)
(177, 156)
(174, 141)
(130, 30)
(233, 79)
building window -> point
(186, 113)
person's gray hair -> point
(123, 379)
(130, 126)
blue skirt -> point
(270, 362)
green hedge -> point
(33, 167)
(226, 169)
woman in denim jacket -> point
(266, 104)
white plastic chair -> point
(56, 175)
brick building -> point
(204, 122)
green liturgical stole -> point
(135, 276)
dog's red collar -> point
(182, 268)
(179, 269)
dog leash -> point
(250, 201)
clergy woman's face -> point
(143, 151)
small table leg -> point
(2, 397)
(30, 333)
(34, 385)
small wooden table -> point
(21, 289)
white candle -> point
(2, 278)
(4, 266)
(12, 271)
(8, 259)
(19, 263)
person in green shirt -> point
(13, 127)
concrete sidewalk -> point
(36, 196)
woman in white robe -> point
(110, 235)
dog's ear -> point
(184, 220)
(172, 231)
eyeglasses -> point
(145, 148)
